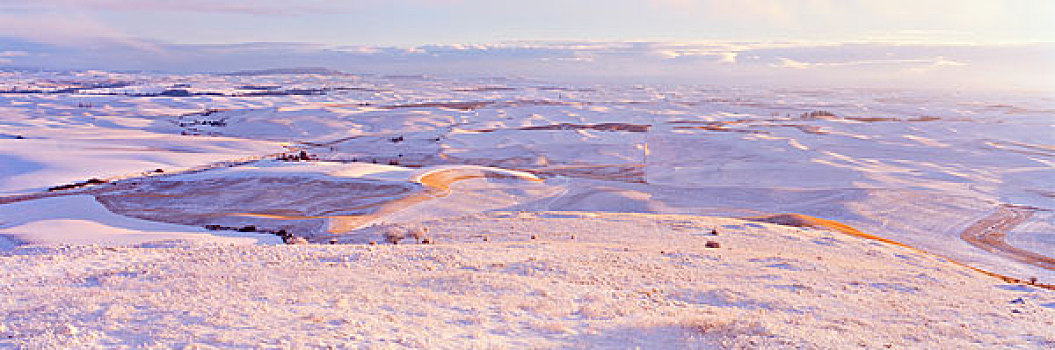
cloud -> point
(247, 7)
(790, 63)
(768, 10)
(939, 61)
(736, 63)
(69, 30)
(220, 6)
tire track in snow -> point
(990, 232)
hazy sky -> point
(418, 22)
(901, 43)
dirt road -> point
(989, 234)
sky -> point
(937, 42)
(423, 22)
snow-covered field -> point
(586, 280)
(156, 173)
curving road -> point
(986, 234)
(989, 233)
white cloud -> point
(728, 57)
(823, 64)
(567, 59)
(939, 61)
(69, 30)
(249, 7)
(790, 63)
(216, 6)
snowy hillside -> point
(143, 209)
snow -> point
(558, 216)
(75, 220)
(53, 152)
(593, 280)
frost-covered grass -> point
(623, 280)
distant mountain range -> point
(1026, 66)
